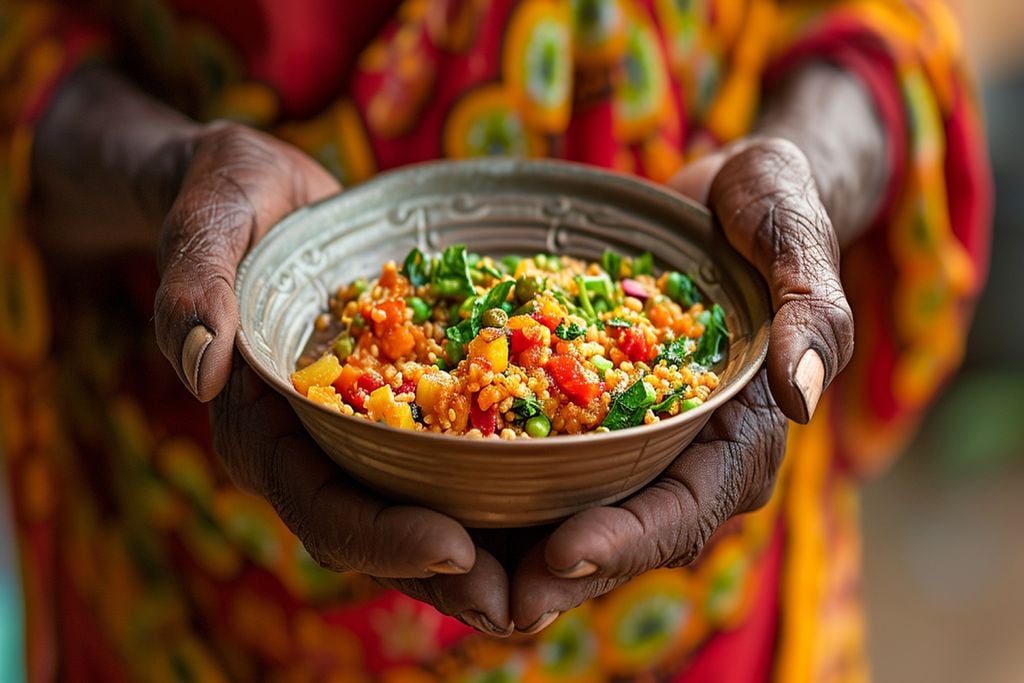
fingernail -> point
(446, 567)
(577, 571)
(545, 620)
(481, 623)
(196, 343)
(810, 380)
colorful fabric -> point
(142, 562)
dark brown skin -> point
(200, 195)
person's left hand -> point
(765, 198)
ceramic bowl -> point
(495, 207)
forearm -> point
(829, 114)
(107, 162)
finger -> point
(725, 471)
(766, 200)
(344, 527)
(538, 597)
(478, 598)
(239, 184)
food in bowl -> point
(516, 347)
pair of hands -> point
(239, 182)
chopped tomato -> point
(633, 343)
(529, 336)
(370, 381)
(407, 387)
(548, 320)
(484, 420)
(576, 382)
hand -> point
(766, 200)
(237, 185)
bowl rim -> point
(499, 166)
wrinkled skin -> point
(230, 184)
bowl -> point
(495, 207)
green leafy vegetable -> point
(710, 348)
(416, 268)
(570, 331)
(466, 331)
(680, 288)
(525, 408)
(497, 295)
(612, 263)
(670, 398)
(451, 273)
(618, 322)
(677, 353)
(643, 264)
(628, 408)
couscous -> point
(515, 347)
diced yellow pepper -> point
(491, 345)
(378, 402)
(326, 396)
(321, 373)
(400, 415)
(433, 391)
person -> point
(185, 130)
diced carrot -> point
(397, 342)
(580, 385)
(348, 377)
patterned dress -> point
(139, 559)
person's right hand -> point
(237, 184)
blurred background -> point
(944, 548)
(944, 544)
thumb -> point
(240, 182)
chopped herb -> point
(629, 407)
(451, 273)
(676, 353)
(710, 348)
(612, 263)
(670, 398)
(497, 295)
(416, 268)
(525, 408)
(488, 269)
(643, 264)
(617, 322)
(680, 288)
(570, 331)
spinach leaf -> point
(676, 353)
(643, 264)
(451, 273)
(680, 288)
(628, 408)
(710, 348)
(612, 263)
(497, 295)
(416, 268)
(570, 331)
(525, 408)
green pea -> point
(689, 404)
(421, 311)
(343, 347)
(527, 287)
(601, 363)
(538, 426)
(494, 317)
